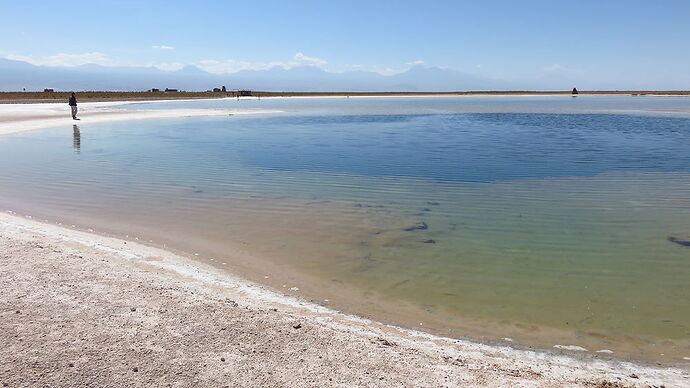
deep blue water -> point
(465, 147)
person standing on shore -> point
(73, 105)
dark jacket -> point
(72, 101)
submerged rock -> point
(369, 206)
(418, 226)
(400, 283)
(429, 241)
(674, 240)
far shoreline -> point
(144, 96)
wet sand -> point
(80, 309)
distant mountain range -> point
(16, 75)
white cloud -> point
(233, 66)
(62, 59)
(299, 57)
(229, 66)
(389, 71)
(19, 58)
(210, 65)
(167, 66)
(556, 67)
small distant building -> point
(217, 89)
(575, 91)
(223, 89)
(154, 90)
(48, 90)
(170, 90)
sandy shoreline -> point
(23, 117)
(107, 306)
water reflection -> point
(76, 139)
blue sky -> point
(624, 43)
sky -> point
(618, 43)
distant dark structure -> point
(48, 90)
(223, 88)
(170, 90)
(154, 90)
(216, 90)
(575, 91)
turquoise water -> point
(549, 220)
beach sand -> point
(81, 309)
